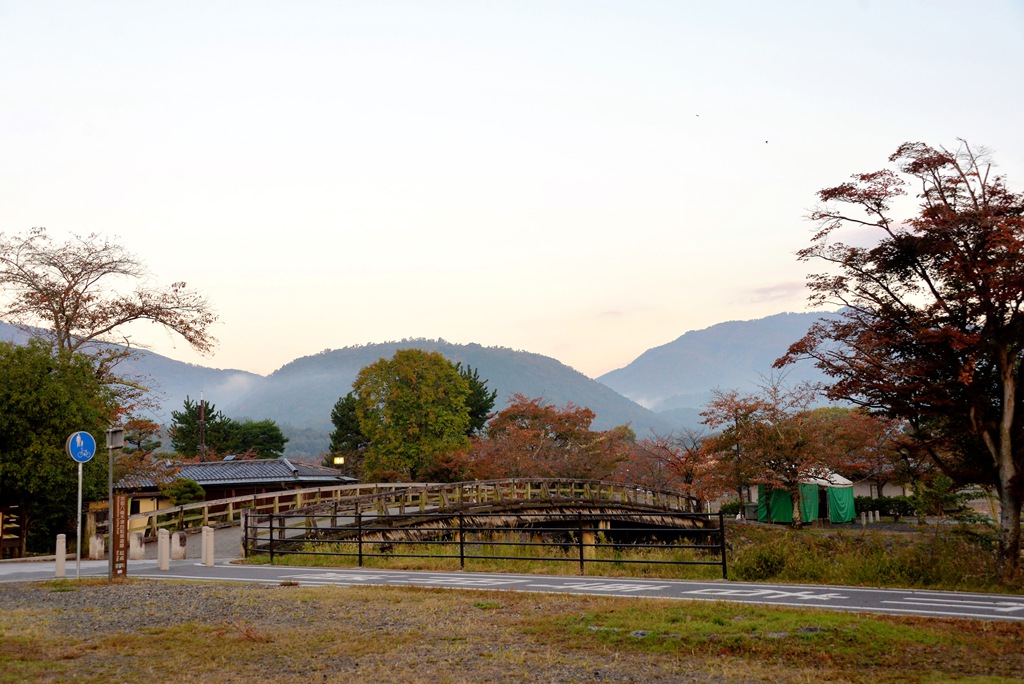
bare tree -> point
(80, 295)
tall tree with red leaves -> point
(932, 328)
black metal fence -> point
(676, 539)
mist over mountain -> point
(677, 379)
(663, 390)
(170, 381)
(304, 391)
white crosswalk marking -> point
(605, 587)
(768, 594)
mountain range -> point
(663, 390)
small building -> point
(829, 497)
(226, 479)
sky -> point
(583, 179)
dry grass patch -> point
(219, 633)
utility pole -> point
(202, 427)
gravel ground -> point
(422, 637)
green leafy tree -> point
(479, 402)
(412, 408)
(183, 491)
(188, 436)
(347, 436)
(44, 398)
(262, 438)
(347, 439)
(222, 435)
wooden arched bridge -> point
(585, 515)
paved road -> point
(888, 601)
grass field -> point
(134, 631)
(160, 631)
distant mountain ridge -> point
(663, 390)
(732, 355)
(311, 385)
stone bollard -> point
(62, 552)
(878, 517)
(208, 547)
(96, 547)
(163, 550)
(136, 547)
(178, 542)
(863, 519)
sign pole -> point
(110, 509)
(78, 542)
(81, 447)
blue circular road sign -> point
(81, 446)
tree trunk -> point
(1009, 487)
(798, 521)
(1009, 533)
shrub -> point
(183, 491)
(759, 563)
(893, 507)
(731, 507)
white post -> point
(178, 542)
(136, 547)
(208, 546)
(863, 519)
(878, 517)
(163, 550)
(96, 550)
(62, 550)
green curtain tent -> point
(839, 493)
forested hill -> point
(304, 391)
(674, 380)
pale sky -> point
(580, 179)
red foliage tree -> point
(679, 462)
(776, 439)
(932, 326)
(531, 438)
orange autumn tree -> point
(679, 462)
(531, 438)
(777, 439)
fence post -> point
(359, 534)
(721, 541)
(244, 520)
(580, 533)
(270, 545)
(462, 543)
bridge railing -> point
(569, 534)
(229, 511)
(404, 499)
(388, 498)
